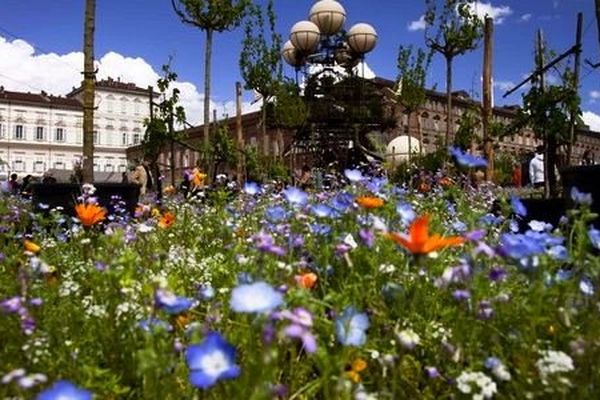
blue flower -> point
(275, 213)
(350, 327)
(353, 175)
(320, 229)
(586, 287)
(64, 390)
(211, 361)
(170, 303)
(322, 210)
(251, 188)
(151, 324)
(258, 297)
(342, 201)
(295, 196)
(376, 184)
(519, 246)
(406, 212)
(594, 236)
(518, 206)
(558, 252)
(466, 159)
(580, 198)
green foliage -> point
(213, 15)
(466, 133)
(222, 149)
(412, 68)
(289, 110)
(260, 59)
(504, 164)
(459, 29)
(160, 128)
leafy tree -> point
(412, 68)
(89, 86)
(260, 59)
(466, 135)
(210, 16)
(160, 128)
(459, 31)
(223, 149)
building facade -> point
(40, 132)
(428, 124)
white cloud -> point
(483, 10)
(504, 85)
(22, 69)
(595, 94)
(417, 25)
(592, 119)
(525, 17)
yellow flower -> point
(31, 247)
(353, 373)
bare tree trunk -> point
(239, 133)
(207, 76)
(449, 117)
(263, 117)
(420, 130)
(409, 137)
(487, 96)
(88, 91)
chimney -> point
(1, 89)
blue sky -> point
(149, 31)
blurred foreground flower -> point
(31, 247)
(64, 390)
(353, 373)
(307, 280)
(419, 241)
(258, 297)
(211, 361)
(166, 220)
(351, 327)
(370, 202)
(90, 214)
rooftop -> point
(42, 99)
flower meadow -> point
(363, 291)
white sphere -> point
(305, 36)
(290, 54)
(328, 15)
(362, 38)
(397, 150)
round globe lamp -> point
(290, 54)
(305, 36)
(398, 150)
(362, 38)
(328, 15)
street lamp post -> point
(323, 41)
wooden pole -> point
(577, 71)
(239, 134)
(546, 140)
(487, 96)
(89, 83)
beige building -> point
(41, 132)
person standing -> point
(13, 185)
(140, 177)
(536, 168)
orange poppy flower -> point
(424, 187)
(446, 181)
(90, 214)
(369, 202)
(166, 220)
(31, 247)
(420, 242)
(355, 369)
(307, 280)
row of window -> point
(40, 166)
(60, 135)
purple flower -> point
(275, 214)
(367, 236)
(11, 305)
(211, 361)
(265, 243)
(461, 295)
(62, 390)
(309, 343)
(170, 303)
(432, 372)
(497, 274)
(485, 310)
